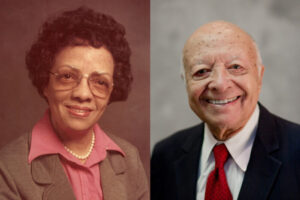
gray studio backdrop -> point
(22, 107)
(274, 24)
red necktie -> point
(216, 186)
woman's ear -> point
(46, 92)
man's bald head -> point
(218, 32)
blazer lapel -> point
(48, 172)
(263, 167)
(186, 167)
(112, 169)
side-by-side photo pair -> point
(149, 99)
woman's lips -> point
(79, 111)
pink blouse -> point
(84, 178)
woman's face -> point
(76, 108)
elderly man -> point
(241, 151)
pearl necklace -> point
(85, 156)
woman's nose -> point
(82, 91)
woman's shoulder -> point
(126, 146)
(136, 181)
(16, 150)
(14, 166)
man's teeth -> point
(221, 102)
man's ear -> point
(262, 70)
(261, 74)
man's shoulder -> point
(288, 125)
(288, 132)
(179, 139)
(278, 133)
(283, 126)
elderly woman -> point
(79, 64)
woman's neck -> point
(79, 143)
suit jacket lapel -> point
(186, 167)
(112, 169)
(263, 167)
(48, 172)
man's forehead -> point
(218, 27)
(217, 35)
(209, 37)
(199, 59)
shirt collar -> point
(44, 141)
(239, 146)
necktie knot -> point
(221, 155)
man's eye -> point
(237, 69)
(201, 73)
(236, 66)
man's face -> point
(223, 81)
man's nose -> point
(82, 92)
(219, 80)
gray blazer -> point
(122, 178)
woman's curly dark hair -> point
(81, 27)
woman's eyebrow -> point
(69, 66)
(99, 71)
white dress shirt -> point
(239, 147)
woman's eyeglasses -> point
(67, 78)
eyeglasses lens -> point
(67, 79)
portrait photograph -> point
(224, 100)
(75, 83)
(274, 25)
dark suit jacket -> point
(122, 178)
(273, 171)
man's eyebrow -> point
(202, 61)
(235, 57)
(198, 60)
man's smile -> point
(222, 101)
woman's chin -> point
(78, 126)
